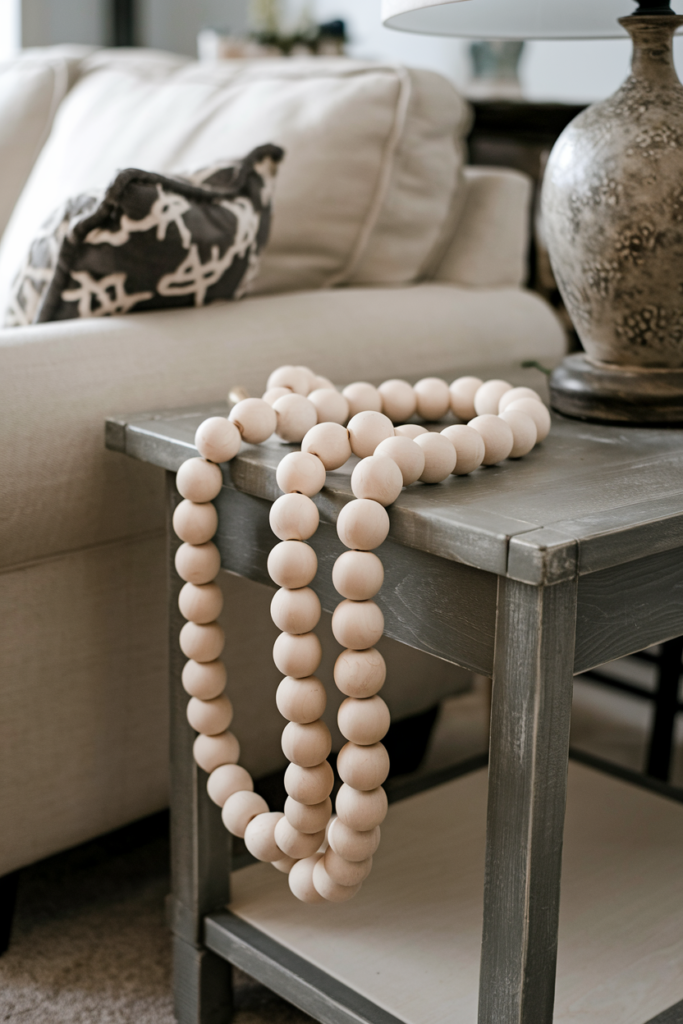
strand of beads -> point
(298, 406)
(301, 697)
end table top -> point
(590, 497)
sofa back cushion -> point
(373, 155)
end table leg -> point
(530, 717)
(202, 985)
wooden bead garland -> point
(299, 406)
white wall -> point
(10, 28)
(174, 24)
(568, 71)
(45, 22)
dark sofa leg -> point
(8, 899)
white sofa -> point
(385, 260)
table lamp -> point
(612, 202)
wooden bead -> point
(210, 717)
(295, 416)
(367, 430)
(377, 478)
(351, 844)
(294, 843)
(301, 700)
(212, 751)
(322, 382)
(292, 564)
(364, 721)
(346, 872)
(217, 439)
(357, 624)
(297, 656)
(205, 680)
(363, 524)
(301, 473)
(311, 378)
(200, 604)
(362, 397)
(363, 767)
(488, 396)
(198, 563)
(496, 435)
(255, 419)
(538, 413)
(202, 642)
(330, 442)
(259, 837)
(361, 809)
(524, 432)
(407, 455)
(330, 405)
(226, 780)
(469, 448)
(284, 864)
(329, 890)
(360, 673)
(309, 785)
(296, 378)
(399, 401)
(306, 745)
(294, 517)
(514, 394)
(411, 430)
(195, 523)
(439, 456)
(199, 480)
(295, 611)
(462, 392)
(358, 575)
(272, 394)
(308, 818)
(301, 880)
(433, 398)
(240, 808)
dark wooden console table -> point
(530, 572)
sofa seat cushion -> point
(77, 372)
(372, 169)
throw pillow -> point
(150, 242)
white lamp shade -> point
(509, 19)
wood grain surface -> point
(613, 493)
(410, 940)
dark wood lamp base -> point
(588, 390)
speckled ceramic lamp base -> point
(613, 217)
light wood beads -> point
(360, 673)
(358, 575)
(295, 611)
(357, 624)
(363, 524)
(297, 655)
(195, 523)
(301, 700)
(292, 564)
(300, 406)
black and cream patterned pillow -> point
(150, 242)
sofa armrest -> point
(491, 241)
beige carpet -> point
(90, 945)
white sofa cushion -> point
(373, 155)
(77, 371)
(490, 247)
